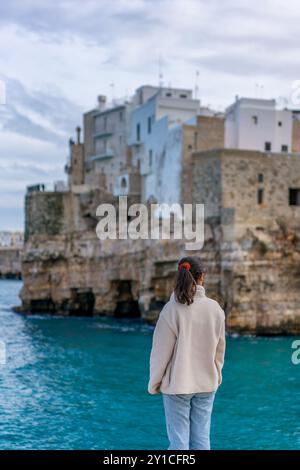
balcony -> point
(104, 130)
(101, 133)
(108, 153)
(136, 143)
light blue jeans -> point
(188, 419)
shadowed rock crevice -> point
(126, 306)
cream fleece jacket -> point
(188, 347)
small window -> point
(105, 123)
(168, 94)
(183, 95)
(280, 123)
(268, 146)
(255, 119)
(121, 116)
(150, 158)
(284, 148)
(260, 196)
(123, 182)
(149, 125)
(195, 139)
(138, 132)
(260, 178)
(294, 197)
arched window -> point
(123, 182)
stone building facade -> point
(253, 198)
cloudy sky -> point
(56, 57)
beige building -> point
(252, 210)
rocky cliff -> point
(251, 250)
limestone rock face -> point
(67, 270)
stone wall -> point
(207, 134)
(77, 168)
(259, 246)
(296, 136)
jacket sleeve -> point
(220, 351)
(163, 343)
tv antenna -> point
(196, 91)
(112, 87)
(160, 72)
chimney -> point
(101, 102)
(78, 130)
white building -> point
(11, 239)
(105, 140)
(155, 139)
(256, 124)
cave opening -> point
(126, 306)
(81, 303)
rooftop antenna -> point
(259, 90)
(196, 92)
(160, 72)
(112, 87)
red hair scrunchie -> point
(185, 265)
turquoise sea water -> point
(81, 383)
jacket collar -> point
(200, 292)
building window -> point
(195, 139)
(268, 146)
(294, 197)
(284, 148)
(255, 119)
(260, 196)
(168, 94)
(138, 132)
(150, 158)
(121, 116)
(123, 183)
(260, 178)
(280, 123)
(105, 123)
(183, 95)
(149, 125)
